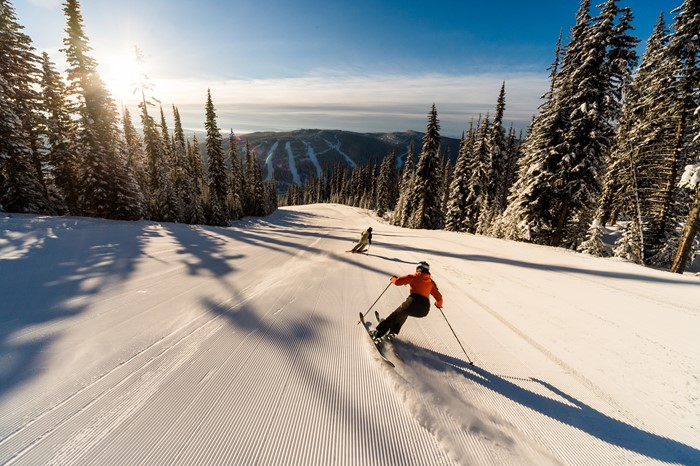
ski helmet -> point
(423, 267)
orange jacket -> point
(421, 284)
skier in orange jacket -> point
(416, 305)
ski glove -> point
(394, 278)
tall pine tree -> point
(427, 186)
(218, 183)
(104, 180)
(685, 46)
(22, 186)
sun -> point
(121, 74)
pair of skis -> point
(378, 344)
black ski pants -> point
(414, 306)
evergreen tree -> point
(218, 186)
(258, 189)
(179, 161)
(634, 179)
(234, 202)
(588, 95)
(172, 203)
(629, 245)
(196, 186)
(685, 46)
(496, 187)
(59, 133)
(531, 209)
(476, 202)
(271, 195)
(455, 219)
(162, 201)
(428, 179)
(404, 205)
(447, 170)
(106, 185)
(135, 154)
(594, 243)
(22, 187)
(387, 185)
(247, 182)
(570, 141)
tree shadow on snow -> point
(574, 412)
(63, 262)
(546, 267)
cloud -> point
(368, 103)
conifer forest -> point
(616, 141)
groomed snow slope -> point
(145, 343)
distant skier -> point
(416, 305)
(365, 240)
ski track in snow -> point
(314, 159)
(268, 161)
(336, 147)
(292, 163)
(241, 346)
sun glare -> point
(122, 75)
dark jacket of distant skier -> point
(365, 239)
(417, 304)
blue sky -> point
(359, 65)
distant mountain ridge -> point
(300, 155)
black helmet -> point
(369, 229)
(423, 267)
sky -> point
(357, 65)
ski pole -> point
(453, 333)
(375, 302)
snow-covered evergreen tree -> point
(135, 155)
(196, 187)
(258, 189)
(404, 205)
(271, 195)
(553, 200)
(479, 173)
(455, 219)
(529, 214)
(640, 157)
(387, 185)
(447, 171)
(685, 46)
(218, 183)
(21, 185)
(427, 180)
(248, 182)
(59, 132)
(234, 203)
(496, 194)
(103, 192)
(629, 245)
(179, 163)
(594, 244)
(589, 94)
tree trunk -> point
(558, 234)
(689, 233)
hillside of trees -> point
(65, 150)
(616, 141)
